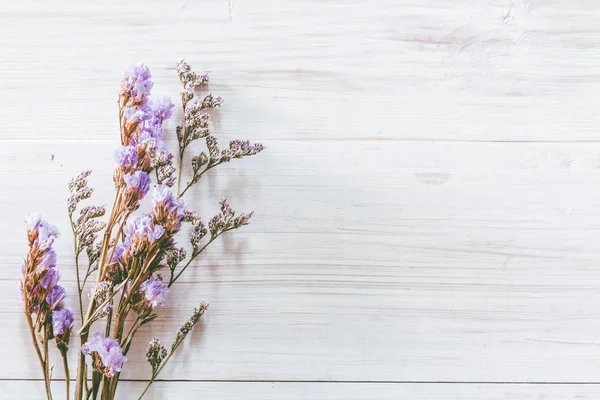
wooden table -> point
(427, 209)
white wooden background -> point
(428, 207)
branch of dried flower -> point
(181, 335)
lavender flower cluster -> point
(42, 295)
(126, 250)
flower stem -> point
(173, 279)
(46, 363)
(67, 374)
(84, 331)
(79, 287)
(155, 374)
(38, 352)
(179, 173)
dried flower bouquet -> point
(129, 254)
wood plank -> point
(306, 69)
(320, 391)
(466, 262)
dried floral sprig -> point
(157, 353)
(43, 296)
(127, 248)
(85, 228)
(195, 125)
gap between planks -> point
(420, 382)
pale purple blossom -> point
(161, 109)
(141, 226)
(138, 181)
(50, 279)
(55, 297)
(48, 260)
(120, 249)
(137, 81)
(137, 114)
(46, 233)
(163, 195)
(151, 138)
(62, 321)
(109, 352)
(154, 291)
(156, 233)
(127, 156)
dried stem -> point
(63, 353)
(79, 287)
(46, 363)
(38, 352)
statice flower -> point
(189, 78)
(165, 170)
(154, 291)
(51, 278)
(137, 184)
(79, 190)
(39, 285)
(142, 227)
(161, 109)
(137, 83)
(127, 156)
(62, 321)
(107, 354)
(189, 325)
(137, 114)
(227, 220)
(55, 297)
(168, 209)
(120, 250)
(155, 354)
(124, 265)
(48, 259)
(39, 232)
(164, 196)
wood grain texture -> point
(326, 391)
(427, 207)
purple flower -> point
(127, 156)
(154, 235)
(161, 109)
(120, 249)
(163, 195)
(108, 350)
(46, 233)
(34, 221)
(50, 279)
(56, 295)
(62, 321)
(137, 114)
(137, 225)
(154, 291)
(138, 181)
(48, 260)
(142, 226)
(137, 81)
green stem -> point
(67, 374)
(79, 287)
(155, 374)
(105, 388)
(38, 352)
(179, 172)
(92, 314)
(46, 363)
(173, 280)
(196, 178)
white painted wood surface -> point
(428, 207)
